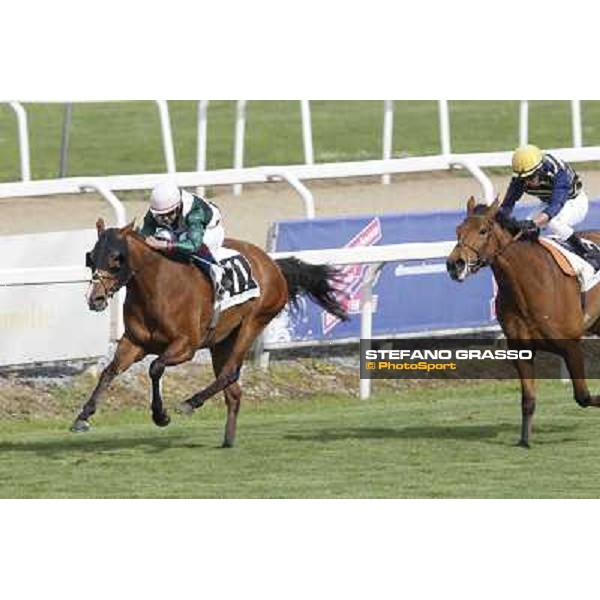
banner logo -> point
(354, 275)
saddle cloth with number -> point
(245, 286)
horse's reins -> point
(481, 262)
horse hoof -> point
(585, 402)
(185, 408)
(161, 420)
(523, 444)
(80, 426)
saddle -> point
(572, 264)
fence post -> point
(238, 152)
(388, 134)
(304, 193)
(64, 141)
(576, 123)
(307, 132)
(167, 136)
(486, 183)
(523, 122)
(201, 140)
(23, 140)
(366, 318)
(444, 113)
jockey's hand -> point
(157, 244)
(508, 222)
(530, 231)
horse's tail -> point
(315, 280)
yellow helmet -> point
(526, 160)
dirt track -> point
(248, 216)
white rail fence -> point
(294, 175)
(307, 136)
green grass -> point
(448, 442)
(125, 137)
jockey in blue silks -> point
(564, 203)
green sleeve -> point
(195, 233)
(148, 227)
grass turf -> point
(456, 441)
(122, 138)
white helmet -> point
(165, 197)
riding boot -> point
(221, 278)
(593, 257)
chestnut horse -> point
(169, 308)
(537, 305)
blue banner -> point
(409, 296)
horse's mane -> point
(129, 231)
(480, 210)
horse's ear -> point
(129, 227)
(100, 227)
(493, 209)
(471, 205)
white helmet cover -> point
(165, 197)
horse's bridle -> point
(101, 276)
(480, 262)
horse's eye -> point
(114, 263)
(483, 231)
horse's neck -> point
(140, 253)
(519, 270)
(144, 263)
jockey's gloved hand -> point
(530, 231)
(509, 223)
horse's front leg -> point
(126, 354)
(177, 352)
(527, 376)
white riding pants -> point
(213, 240)
(572, 213)
(214, 233)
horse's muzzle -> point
(457, 269)
(98, 303)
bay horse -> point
(537, 305)
(169, 308)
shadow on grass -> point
(432, 432)
(85, 443)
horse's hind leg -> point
(574, 359)
(233, 393)
(176, 353)
(126, 354)
(230, 371)
(527, 376)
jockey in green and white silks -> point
(180, 223)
